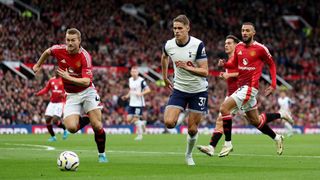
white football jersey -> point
(191, 52)
(137, 86)
(284, 103)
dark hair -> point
(182, 19)
(249, 23)
(235, 39)
(74, 31)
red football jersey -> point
(78, 65)
(232, 82)
(250, 61)
(54, 85)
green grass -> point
(160, 157)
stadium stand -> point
(117, 39)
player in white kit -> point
(284, 102)
(138, 88)
(190, 86)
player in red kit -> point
(250, 57)
(75, 69)
(231, 76)
(55, 107)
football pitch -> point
(159, 157)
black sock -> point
(227, 126)
(215, 138)
(265, 129)
(272, 116)
(60, 125)
(50, 130)
(100, 138)
(83, 121)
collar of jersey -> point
(183, 45)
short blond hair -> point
(182, 19)
(74, 31)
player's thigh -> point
(95, 118)
(177, 103)
(134, 113)
(91, 100)
(50, 110)
(171, 115)
(253, 117)
(71, 122)
(228, 105)
(73, 105)
(58, 109)
(245, 98)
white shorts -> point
(235, 109)
(84, 101)
(54, 109)
(245, 98)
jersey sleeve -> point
(86, 66)
(44, 90)
(267, 58)
(144, 84)
(201, 52)
(233, 64)
(54, 49)
(234, 69)
(164, 49)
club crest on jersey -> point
(252, 53)
(240, 52)
(245, 61)
(78, 64)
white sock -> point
(102, 154)
(182, 117)
(191, 141)
(227, 143)
(277, 138)
(288, 126)
(138, 124)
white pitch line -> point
(181, 153)
(48, 148)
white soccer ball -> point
(68, 161)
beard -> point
(248, 40)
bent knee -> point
(192, 132)
(72, 129)
(170, 124)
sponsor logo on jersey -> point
(245, 61)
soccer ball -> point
(68, 161)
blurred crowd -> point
(115, 38)
(21, 106)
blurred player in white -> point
(284, 102)
(190, 85)
(55, 107)
(138, 88)
(75, 69)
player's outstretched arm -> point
(44, 56)
(164, 67)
